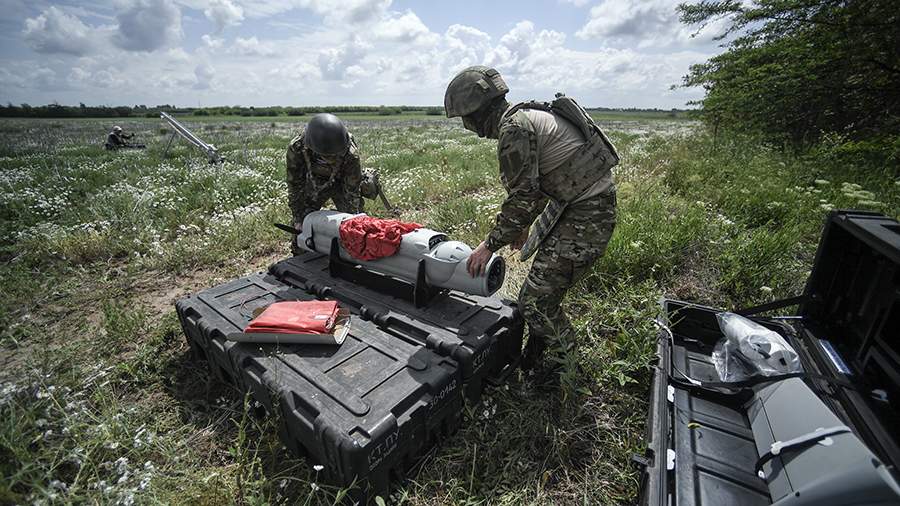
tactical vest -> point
(590, 162)
(317, 183)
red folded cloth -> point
(368, 238)
(296, 317)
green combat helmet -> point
(472, 89)
(327, 135)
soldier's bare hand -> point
(478, 260)
(520, 241)
(298, 226)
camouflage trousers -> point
(310, 201)
(344, 201)
(577, 241)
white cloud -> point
(252, 47)
(104, 78)
(405, 28)
(356, 53)
(31, 77)
(224, 13)
(9, 80)
(178, 55)
(467, 35)
(148, 25)
(652, 23)
(465, 45)
(522, 39)
(334, 62)
(204, 74)
(351, 11)
(44, 78)
(54, 31)
(110, 78)
(335, 12)
(212, 42)
(79, 75)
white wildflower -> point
(121, 465)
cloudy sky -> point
(606, 53)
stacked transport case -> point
(368, 409)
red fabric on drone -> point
(368, 238)
(296, 317)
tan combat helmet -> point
(471, 89)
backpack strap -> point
(531, 104)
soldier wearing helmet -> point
(555, 165)
(117, 139)
(323, 163)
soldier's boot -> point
(534, 352)
(558, 356)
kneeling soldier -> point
(118, 139)
(323, 163)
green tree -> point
(798, 69)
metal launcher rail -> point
(211, 152)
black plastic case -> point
(703, 444)
(483, 334)
(366, 410)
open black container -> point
(831, 436)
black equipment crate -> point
(366, 409)
(483, 334)
(712, 445)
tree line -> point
(798, 72)
(85, 111)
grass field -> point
(100, 403)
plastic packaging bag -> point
(749, 349)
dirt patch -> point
(78, 314)
(158, 291)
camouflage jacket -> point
(114, 140)
(310, 178)
(527, 191)
(518, 155)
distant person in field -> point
(555, 165)
(118, 139)
(323, 163)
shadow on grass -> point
(235, 432)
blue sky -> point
(607, 53)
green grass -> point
(347, 116)
(641, 115)
(100, 401)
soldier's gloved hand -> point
(518, 243)
(478, 259)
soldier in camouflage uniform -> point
(117, 139)
(554, 162)
(323, 163)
